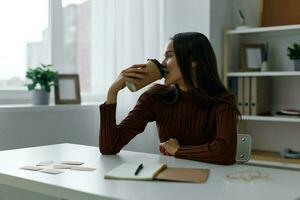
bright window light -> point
(23, 39)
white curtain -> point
(126, 32)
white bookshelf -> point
(270, 118)
(265, 29)
(272, 159)
(273, 164)
(284, 87)
(231, 63)
(270, 73)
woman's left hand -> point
(170, 146)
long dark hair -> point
(203, 82)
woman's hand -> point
(169, 147)
(133, 74)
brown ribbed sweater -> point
(187, 120)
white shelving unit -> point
(285, 82)
(265, 29)
(278, 73)
(270, 118)
(252, 32)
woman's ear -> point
(194, 64)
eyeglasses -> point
(247, 176)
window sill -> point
(51, 107)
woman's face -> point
(173, 73)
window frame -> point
(19, 96)
(22, 96)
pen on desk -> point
(137, 171)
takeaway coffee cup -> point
(155, 72)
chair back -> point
(243, 150)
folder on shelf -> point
(126, 171)
(260, 95)
(247, 96)
(240, 94)
(233, 86)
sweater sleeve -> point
(113, 137)
(222, 149)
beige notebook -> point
(158, 172)
(183, 175)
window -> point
(78, 30)
(76, 18)
(24, 40)
(51, 32)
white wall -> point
(185, 16)
(209, 17)
(25, 127)
(251, 10)
(220, 19)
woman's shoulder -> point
(149, 93)
(163, 94)
(225, 102)
(148, 98)
(158, 88)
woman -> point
(195, 114)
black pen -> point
(137, 171)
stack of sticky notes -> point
(51, 168)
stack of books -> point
(289, 112)
(252, 94)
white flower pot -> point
(297, 64)
(40, 97)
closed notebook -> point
(246, 96)
(158, 172)
(240, 94)
(260, 95)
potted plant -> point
(42, 77)
(294, 54)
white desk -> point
(283, 184)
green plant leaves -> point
(294, 51)
(43, 76)
(31, 86)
